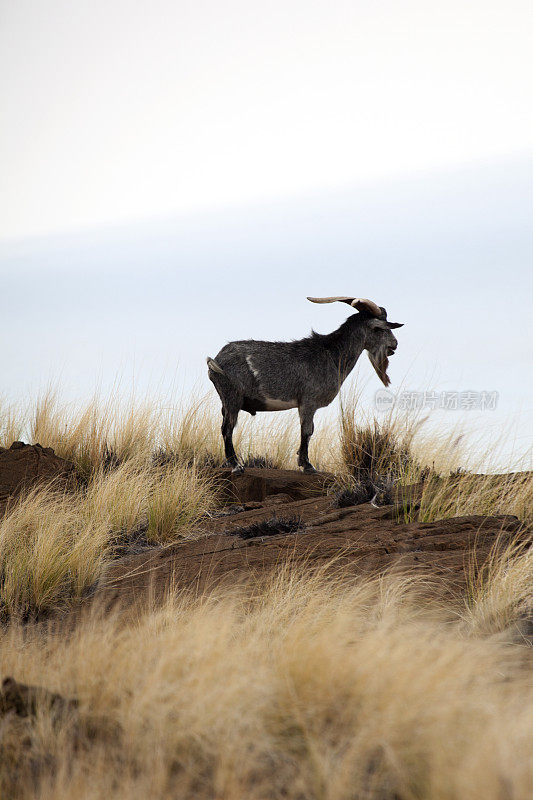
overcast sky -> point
(177, 174)
(116, 109)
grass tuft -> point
(376, 450)
(501, 591)
(51, 553)
(55, 546)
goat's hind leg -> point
(231, 405)
(229, 420)
(307, 428)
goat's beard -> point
(380, 362)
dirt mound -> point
(361, 538)
(24, 465)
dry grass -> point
(55, 546)
(501, 592)
(118, 498)
(87, 435)
(177, 498)
(463, 494)
(109, 432)
(165, 500)
(191, 433)
(146, 469)
(300, 688)
(397, 444)
(50, 553)
(112, 431)
(398, 448)
(12, 422)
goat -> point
(306, 374)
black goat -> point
(306, 374)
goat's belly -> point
(254, 404)
(271, 404)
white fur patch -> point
(278, 405)
(253, 369)
(271, 404)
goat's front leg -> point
(307, 428)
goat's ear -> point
(379, 323)
(395, 324)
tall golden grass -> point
(55, 546)
(114, 429)
(49, 553)
(400, 447)
(302, 687)
(501, 592)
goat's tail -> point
(212, 366)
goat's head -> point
(380, 342)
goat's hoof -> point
(309, 469)
(237, 469)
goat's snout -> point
(391, 350)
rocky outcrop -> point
(25, 465)
(353, 539)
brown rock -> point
(23, 466)
(255, 484)
(353, 540)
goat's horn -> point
(357, 302)
(361, 304)
(330, 299)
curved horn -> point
(360, 303)
(330, 299)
